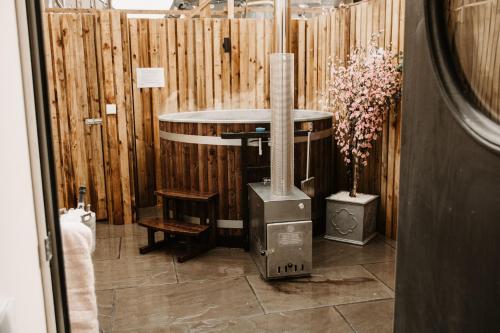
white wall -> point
(20, 276)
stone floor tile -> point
(320, 320)
(327, 253)
(105, 230)
(130, 245)
(215, 264)
(150, 269)
(370, 317)
(337, 285)
(166, 329)
(393, 243)
(105, 309)
(384, 272)
(107, 248)
(178, 304)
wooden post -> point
(230, 9)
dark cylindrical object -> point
(81, 196)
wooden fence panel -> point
(72, 78)
(243, 63)
(120, 118)
(226, 63)
(139, 43)
(54, 90)
(87, 70)
(116, 127)
(109, 124)
(94, 133)
(77, 109)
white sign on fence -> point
(153, 77)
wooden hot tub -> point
(194, 157)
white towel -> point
(82, 303)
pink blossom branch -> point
(359, 95)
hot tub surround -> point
(195, 158)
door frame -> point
(30, 26)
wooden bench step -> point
(173, 227)
(189, 196)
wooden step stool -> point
(203, 232)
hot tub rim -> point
(177, 117)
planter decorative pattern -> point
(351, 220)
(344, 221)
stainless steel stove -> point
(280, 232)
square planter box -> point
(351, 220)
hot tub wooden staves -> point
(194, 158)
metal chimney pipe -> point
(282, 136)
(282, 17)
(282, 131)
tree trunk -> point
(355, 172)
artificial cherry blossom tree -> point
(359, 94)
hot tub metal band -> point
(218, 141)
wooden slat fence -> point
(318, 40)
(88, 66)
(93, 57)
